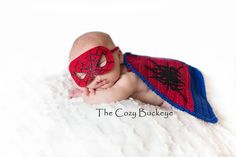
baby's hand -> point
(83, 92)
(99, 87)
(121, 90)
(91, 91)
(74, 93)
(77, 92)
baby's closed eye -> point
(81, 75)
(103, 61)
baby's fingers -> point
(74, 93)
(86, 92)
(92, 91)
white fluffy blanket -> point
(43, 122)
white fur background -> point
(36, 117)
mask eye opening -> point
(102, 62)
(81, 76)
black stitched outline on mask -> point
(92, 59)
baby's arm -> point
(121, 90)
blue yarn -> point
(202, 108)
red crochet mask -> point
(88, 63)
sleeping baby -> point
(102, 74)
(99, 73)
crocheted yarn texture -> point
(178, 83)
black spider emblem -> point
(168, 76)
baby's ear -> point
(120, 55)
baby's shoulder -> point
(133, 76)
(129, 79)
(127, 82)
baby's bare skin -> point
(137, 89)
(143, 93)
(116, 85)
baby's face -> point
(106, 80)
(93, 79)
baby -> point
(99, 74)
(103, 74)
